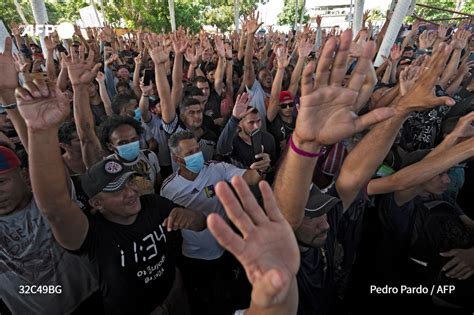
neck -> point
(287, 119)
(184, 172)
(74, 162)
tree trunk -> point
(172, 18)
(237, 15)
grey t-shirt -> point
(29, 255)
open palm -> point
(268, 250)
(9, 79)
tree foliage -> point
(433, 14)
(288, 15)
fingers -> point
(373, 117)
(363, 66)
(31, 87)
(450, 264)
(324, 64)
(270, 204)
(307, 79)
(459, 271)
(42, 87)
(22, 94)
(438, 101)
(271, 288)
(234, 209)
(225, 236)
(339, 67)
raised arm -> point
(325, 117)
(62, 77)
(252, 26)
(43, 116)
(219, 76)
(160, 57)
(104, 95)
(50, 66)
(229, 72)
(82, 73)
(359, 166)
(273, 106)
(459, 43)
(305, 46)
(145, 102)
(180, 44)
(136, 74)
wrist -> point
(304, 147)
(7, 96)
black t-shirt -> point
(316, 283)
(242, 153)
(280, 130)
(99, 113)
(213, 105)
(136, 262)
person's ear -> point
(96, 204)
(110, 147)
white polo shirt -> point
(199, 195)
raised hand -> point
(113, 58)
(228, 51)
(305, 47)
(252, 23)
(396, 52)
(49, 44)
(193, 55)
(81, 71)
(146, 89)
(326, 113)
(100, 78)
(461, 38)
(282, 57)
(427, 39)
(461, 265)
(408, 78)
(422, 95)
(9, 79)
(241, 109)
(138, 59)
(158, 53)
(42, 105)
(268, 250)
(319, 19)
(220, 46)
(179, 42)
(442, 30)
(464, 128)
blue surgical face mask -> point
(152, 98)
(138, 114)
(194, 162)
(129, 151)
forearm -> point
(50, 67)
(291, 198)
(62, 79)
(272, 110)
(358, 167)
(168, 110)
(136, 78)
(104, 96)
(381, 69)
(177, 77)
(296, 75)
(249, 72)
(389, 97)
(224, 144)
(219, 75)
(387, 75)
(241, 52)
(229, 85)
(144, 107)
(47, 173)
(393, 73)
(453, 87)
(451, 68)
(109, 82)
(85, 126)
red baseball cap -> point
(286, 96)
(8, 160)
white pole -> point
(398, 16)
(302, 13)
(237, 15)
(358, 17)
(41, 18)
(172, 18)
(296, 14)
(20, 12)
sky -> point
(269, 12)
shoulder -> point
(168, 181)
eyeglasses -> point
(290, 105)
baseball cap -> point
(285, 96)
(319, 203)
(8, 160)
(109, 175)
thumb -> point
(449, 253)
(438, 101)
(373, 117)
(270, 289)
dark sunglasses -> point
(290, 105)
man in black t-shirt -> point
(235, 140)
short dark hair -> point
(191, 91)
(187, 102)
(119, 102)
(108, 126)
(210, 67)
(66, 131)
(200, 78)
(177, 137)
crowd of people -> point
(248, 174)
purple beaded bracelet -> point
(305, 153)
